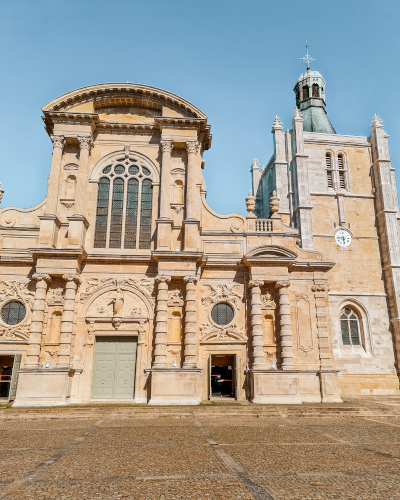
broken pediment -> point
(270, 253)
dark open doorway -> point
(222, 376)
(9, 366)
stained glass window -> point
(350, 328)
(124, 217)
(100, 233)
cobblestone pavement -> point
(224, 452)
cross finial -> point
(307, 58)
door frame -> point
(235, 387)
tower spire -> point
(307, 58)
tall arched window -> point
(124, 206)
(329, 175)
(315, 90)
(305, 92)
(350, 327)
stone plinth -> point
(175, 386)
(44, 387)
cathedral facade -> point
(123, 284)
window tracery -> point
(124, 206)
(350, 327)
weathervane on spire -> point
(307, 58)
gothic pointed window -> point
(350, 327)
(315, 90)
(124, 206)
(329, 175)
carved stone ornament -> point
(167, 146)
(41, 276)
(221, 293)
(255, 284)
(191, 279)
(175, 298)
(214, 333)
(136, 311)
(306, 351)
(300, 296)
(177, 208)
(224, 347)
(320, 288)
(55, 296)
(163, 278)
(58, 141)
(16, 290)
(72, 277)
(145, 286)
(141, 332)
(21, 332)
(1, 192)
(85, 142)
(68, 204)
(90, 334)
(282, 284)
(192, 147)
(267, 302)
(175, 353)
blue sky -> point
(237, 60)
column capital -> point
(42, 276)
(282, 284)
(163, 278)
(72, 277)
(85, 142)
(58, 141)
(191, 279)
(166, 146)
(255, 283)
(192, 147)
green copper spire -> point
(310, 99)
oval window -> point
(13, 312)
(222, 314)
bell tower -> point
(310, 99)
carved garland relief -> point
(305, 341)
(211, 332)
(19, 291)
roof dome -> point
(308, 74)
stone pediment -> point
(270, 254)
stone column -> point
(189, 351)
(256, 326)
(67, 320)
(160, 350)
(54, 179)
(165, 195)
(192, 148)
(286, 325)
(85, 144)
(36, 328)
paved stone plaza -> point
(343, 451)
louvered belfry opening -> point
(305, 92)
(124, 206)
(328, 160)
(315, 90)
(341, 172)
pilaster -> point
(190, 322)
(281, 170)
(192, 223)
(164, 223)
(303, 206)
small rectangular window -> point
(329, 177)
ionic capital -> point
(192, 147)
(72, 277)
(282, 284)
(191, 279)
(85, 142)
(41, 276)
(167, 146)
(163, 278)
(58, 141)
(255, 283)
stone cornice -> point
(335, 139)
(113, 93)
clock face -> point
(343, 238)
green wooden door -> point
(114, 368)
